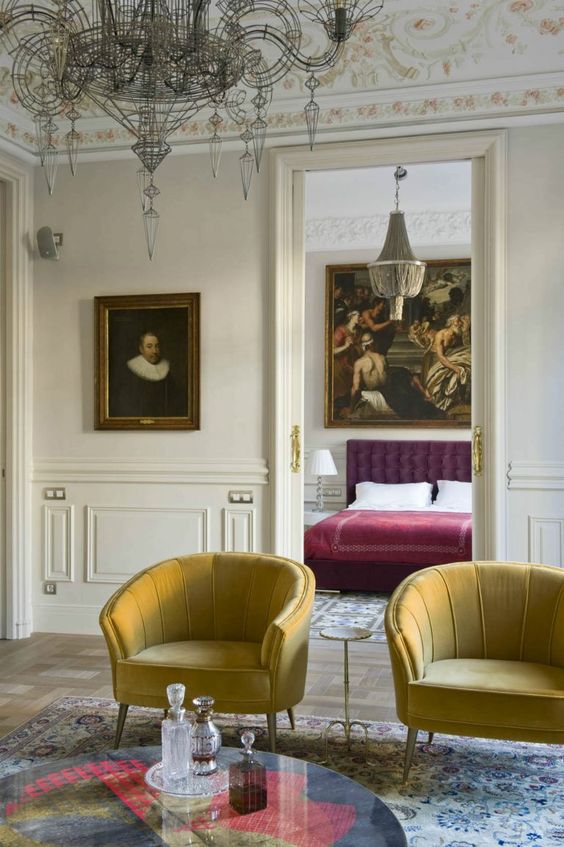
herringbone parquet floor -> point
(38, 670)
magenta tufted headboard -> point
(406, 461)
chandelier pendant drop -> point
(153, 65)
(396, 273)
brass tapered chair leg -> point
(271, 721)
(122, 714)
(430, 739)
(292, 717)
(409, 751)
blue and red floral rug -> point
(462, 792)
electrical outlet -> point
(54, 493)
(240, 496)
(333, 492)
(49, 587)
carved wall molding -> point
(425, 227)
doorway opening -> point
(369, 377)
(487, 153)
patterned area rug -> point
(349, 609)
(461, 792)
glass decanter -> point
(176, 739)
(206, 738)
(247, 780)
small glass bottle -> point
(175, 734)
(206, 738)
(247, 780)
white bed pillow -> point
(454, 496)
(406, 495)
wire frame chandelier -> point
(396, 273)
(152, 65)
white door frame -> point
(287, 318)
(18, 181)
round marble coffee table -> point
(346, 634)
(101, 800)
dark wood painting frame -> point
(380, 373)
(148, 362)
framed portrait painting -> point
(414, 372)
(148, 362)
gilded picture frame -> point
(412, 373)
(147, 370)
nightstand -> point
(311, 517)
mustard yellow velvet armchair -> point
(477, 649)
(231, 625)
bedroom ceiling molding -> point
(426, 227)
(287, 169)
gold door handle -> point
(477, 451)
(295, 465)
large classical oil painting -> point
(413, 372)
(147, 362)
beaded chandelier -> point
(154, 64)
(396, 273)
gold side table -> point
(346, 634)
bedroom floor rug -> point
(461, 792)
(349, 609)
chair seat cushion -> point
(505, 695)
(229, 671)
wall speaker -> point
(46, 243)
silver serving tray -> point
(192, 786)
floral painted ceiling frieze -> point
(410, 65)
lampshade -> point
(321, 463)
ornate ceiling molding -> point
(425, 228)
(411, 66)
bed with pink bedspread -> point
(374, 550)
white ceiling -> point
(367, 192)
(417, 62)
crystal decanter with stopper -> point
(247, 780)
(206, 738)
(176, 739)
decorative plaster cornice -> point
(409, 67)
(425, 227)
(370, 115)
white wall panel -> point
(239, 530)
(546, 540)
(132, 514)
(58, 543)
(122, 540)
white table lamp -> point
(321, 464)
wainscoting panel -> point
(546, 541)
(58, 543)
(119, 540)
(128, 515)
(239, 530)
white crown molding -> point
(502, 98)
(424, 227)
(548, 476)
(200, 471)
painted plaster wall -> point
(535, 345)
(210, 241)
(123, 510)
(213, 242)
